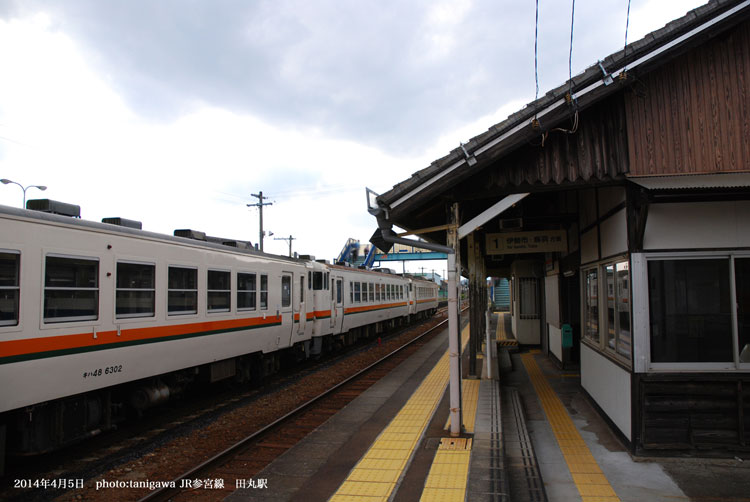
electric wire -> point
(625, 50)
(536, 61)
(570, 55)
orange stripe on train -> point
(64, 342)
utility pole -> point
(260, 205)
(290, 239)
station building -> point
(618, 206)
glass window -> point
(286, 291)
(219, 291)
(742, 280)
(690, 310)
(339, 292)
(135, 294)
(302, 289)
(246, 292)
(263, 292)
(182, 291)
(609, 275)
(618, 308)
(10, 266)
(591, 304)
(351, 292)
(71, 289)
(372, 292)
(317, 280)
(356, 292)
(624, 336)
(365, 291)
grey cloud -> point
(366, 71)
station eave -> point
(420, 200)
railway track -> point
(247, 457)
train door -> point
(337, 304)
(286, 311)
(301, 310)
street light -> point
(40, 187)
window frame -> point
(48, 321)
(125, 317)
(642, 332)
(253, 292)
(227, 292)
(17, 288)
(602, 344)
(262, 293)
(173, 313)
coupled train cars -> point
(97, 318)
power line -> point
(625, 50)
(570, 56)
(536, 39)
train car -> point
(96, 318)
(424, 301)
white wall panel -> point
(555, 341)
(609, 385)
(615, 234)
(552, 299)
(698, 225)
(589, 246)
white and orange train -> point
(97, 318)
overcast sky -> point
(173, 112)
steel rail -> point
(166, 492)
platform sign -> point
(544, 241)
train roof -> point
(42, 217)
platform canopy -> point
(579, 135)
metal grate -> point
(526, 484)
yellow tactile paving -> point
(591, 483)
(376, 475)
(500, 334)
(448, 475)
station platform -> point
(532, 435)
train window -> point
(309, 280)
(9, 288)
(286, 290)
(372, 292)
(263, 292)
(317, 281)
(351, 292)
(339, 293)
(365, 290)
(246, 291)
(327, 275)
(182, 291)
(356, 292)
(302, 289)
(219, 294)
(135, 291)
(71, 289)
